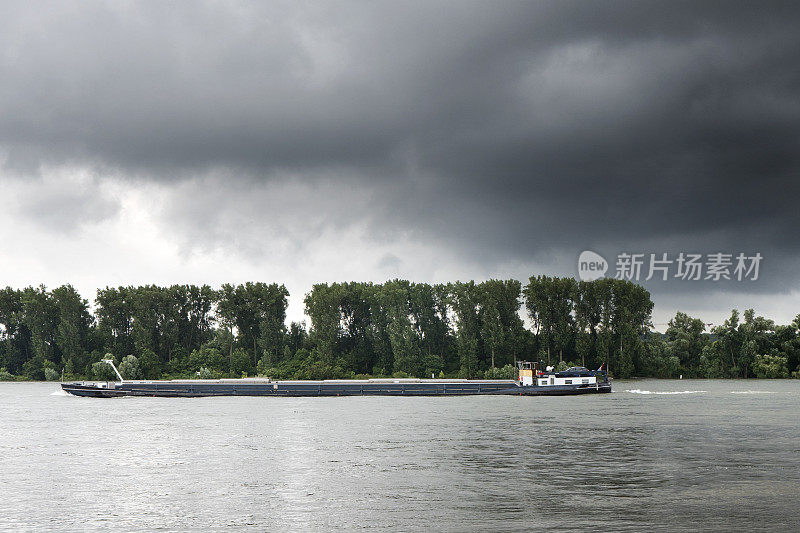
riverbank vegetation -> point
(357, 330)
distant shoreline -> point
(362, 329)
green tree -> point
(657, 361)
(630, 312)
(322, 307)
(241, 364)
(149, 364)
(500, 320)
(756, 334)
(115, 319)
(723, 351)
(403, 338)
(207, 356)
(770, 366)
(102, 371)
(74, 324)
(14, 335)
(466, 303)
(588, 316)
(40, 315)
(686, 340)
(563, 292)
(129, 368)
(226, 315)
(272, 321)
(538, 302)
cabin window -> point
(567, 382)
(585, 381)
(552, 381)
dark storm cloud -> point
(505, 130)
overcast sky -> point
(210, 142)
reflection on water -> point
(668, 455)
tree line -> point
(356, 329)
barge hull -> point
(323, 388)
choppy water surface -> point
(669, 455)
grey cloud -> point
(390, 262)
(63, 210)
(521, 131)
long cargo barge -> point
(531, 382)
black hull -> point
(190, 389)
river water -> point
(653, 455)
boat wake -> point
(59, 393)
(753, 392)
(639, 391)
